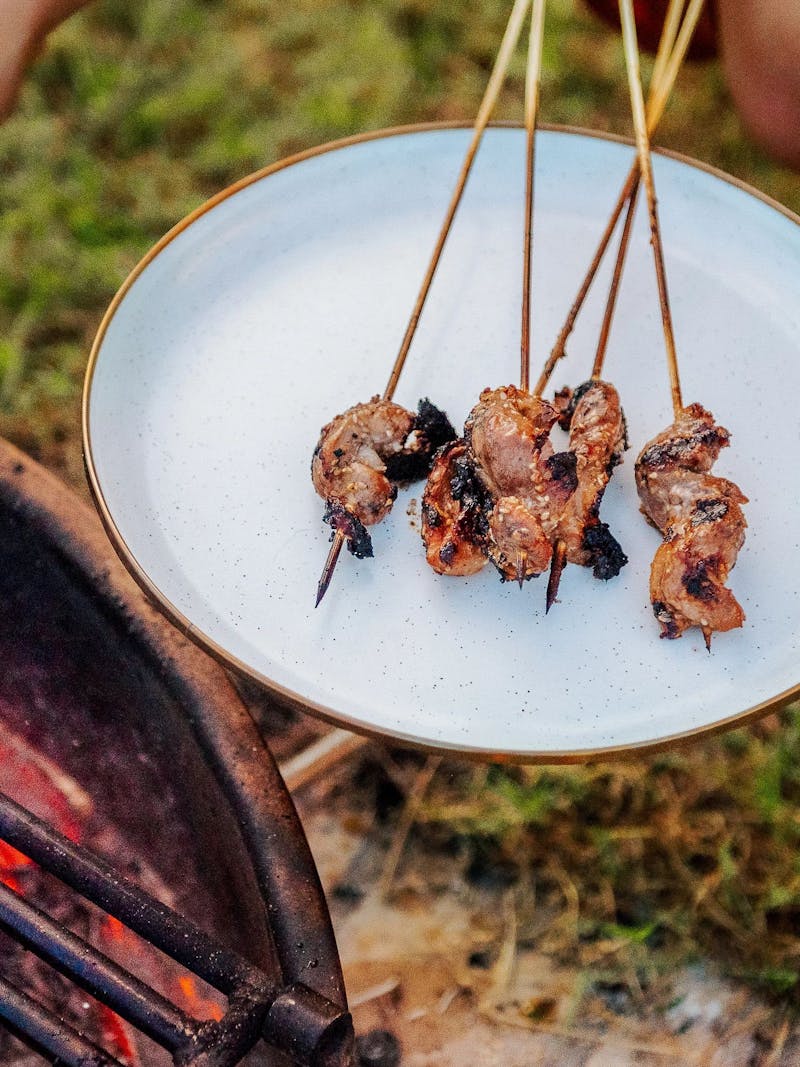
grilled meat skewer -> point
(455, 529)
(527, 483)
(597, 437)
(702, 521)
(364, 454)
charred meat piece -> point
(340, 520)
(702, 522)
(528, 486)
(454, 524)
(364, 453)
(432, 429)
(597, 439)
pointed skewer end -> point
(707, 639)
(520, 568)
(557, 564)
(330, 566)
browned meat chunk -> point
(702, 522)
(597, 438)
(508, 440)
(454, 527)
(364, 453)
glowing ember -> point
(11, 861)
(113, 929)
(42, 788)
(198, 1005)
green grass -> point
(693, 854)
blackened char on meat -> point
(364, 453)
(598, 436)
(454, 524)
(431, 430)
(359, 542)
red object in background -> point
(650, 18)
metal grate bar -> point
(135, 1001)
(99, 882)
(295, 1019)
(44, 1032)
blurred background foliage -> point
(134, 115)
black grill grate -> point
(294, 1019)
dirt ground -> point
(440, 961)
(444, 972)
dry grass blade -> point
(318, 758)
(374, 992)
(413, 801)
(503, 969)
(775, 1053)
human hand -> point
(24, 24)
(761, 56)
(20, 44)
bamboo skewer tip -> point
(330, 566)
(557, 564)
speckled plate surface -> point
(283, 301)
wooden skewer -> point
(559, 348)
(643, 146)
(330, 566)
(487, 106)
(519, 567)
(507, 46)
(659, 94)
(611, 302)
(666, 42)
(557, 564)
(664, 72)
(532, 82)
(664, 79)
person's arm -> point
(760, 42)
(24, 24)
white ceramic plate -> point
(284, 300)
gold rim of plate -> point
(288, 696)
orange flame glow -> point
(11, 862)
(196, 1003)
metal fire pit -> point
(96, 681)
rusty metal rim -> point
(234, 750)
(287, 696)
